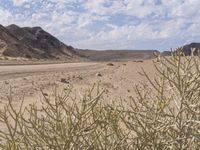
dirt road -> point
(21, 69)
(13, 71)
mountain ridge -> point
(33, 42)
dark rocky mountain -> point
(187, 48)
(10, 45)
(32, 43)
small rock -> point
(110, 64)
(45, 94)
(31, 93)
(99, 74)
(6, 82)
(63, 80)
(138, 60)
(107, 91)
(80, 78)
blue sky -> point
(110, 24)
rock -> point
(138, 60)
(63, 80)
(45, 94)
(24, 78)
(6, 82)
(98, 74)
(80, 78)
(110, 64)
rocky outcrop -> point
(32, 43)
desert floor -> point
(27, 81)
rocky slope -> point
(33, 43)
(10, 45)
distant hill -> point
(32, 43)
(187, 48)
(165, 53)
(115, 55)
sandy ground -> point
(26, 81)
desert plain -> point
(28, 81)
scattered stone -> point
(63, 80)
(80, 78)
(6, 82)
(138, 60)
(98, 74)
(107, 91)
(31, 93)
(110, 64)
(45, 94)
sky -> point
(110, 24)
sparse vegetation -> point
(165, 114)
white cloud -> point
(111, 23)
(96, 6)
(63, 1)
(5, 16)
(20, 2)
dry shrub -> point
(63, 123)
(165, 114)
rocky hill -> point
(33, 43)
(187, 48)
